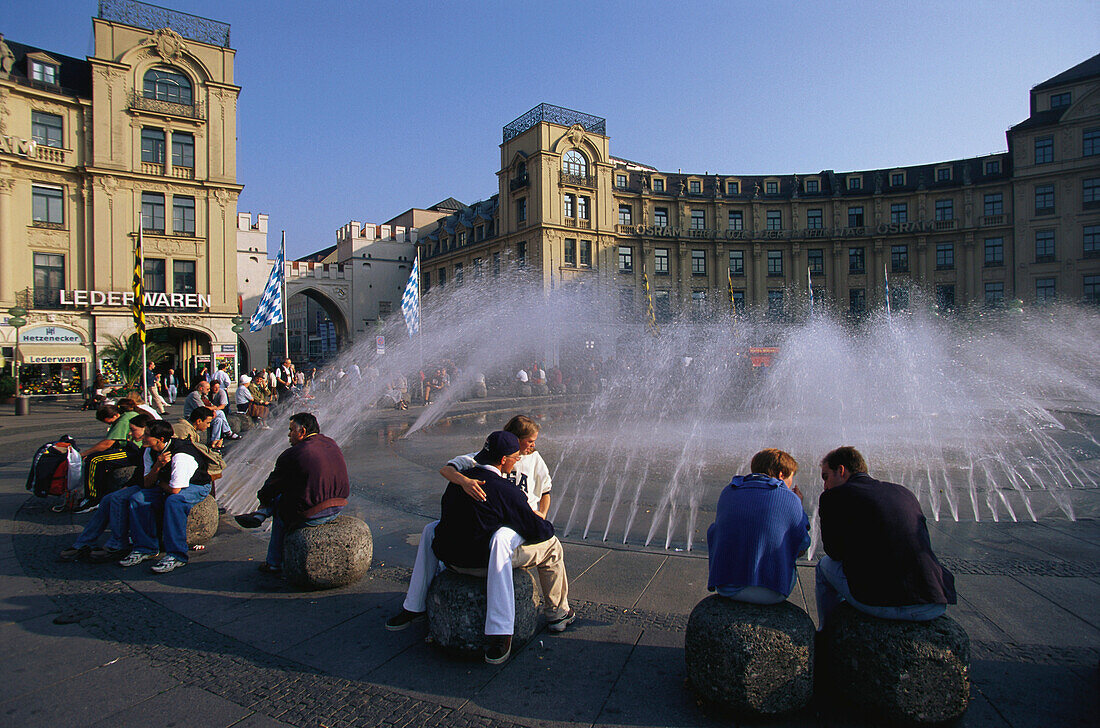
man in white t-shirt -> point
(521, 376)
(532, 476)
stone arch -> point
(578, 138)
(331, 306)
(146, 57)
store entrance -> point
(187, 351)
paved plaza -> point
(219, 644)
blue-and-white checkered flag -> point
(410, 299)
(270, 309)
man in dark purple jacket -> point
(879, 556)
(308, 487)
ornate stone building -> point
(144, 129)
(977, 231)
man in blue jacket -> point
(759, 530)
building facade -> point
(978, 231)
(143, 132)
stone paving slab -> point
(202, 709)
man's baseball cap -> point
(498, 445)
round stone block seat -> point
(905, 672)
(755, 660)
(523, 389)
(541, 390)
(238, 422)
(456, 610)
(202, 521)
(480, 391)
(331, 555)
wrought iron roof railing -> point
(154, 17)
(554, 115)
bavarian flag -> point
(137, 307)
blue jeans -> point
(143, 518)
(278, 534)
(832, 589)
(219, 427)
(114, 510)
(171, 389)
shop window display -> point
(41, 379)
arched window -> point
(167, 84)
(573, 162)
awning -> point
(53, 354)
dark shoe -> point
(86, 506)
(500, 647)
(106, 556)
(403, 620)
(266, 568)
(250, 520)
(559, 625)
(75, 554)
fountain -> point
(986, 415)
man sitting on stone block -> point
(464, 541)
(308, 487)
(759, 530)
(192, 428)
(879, 555)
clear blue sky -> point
(361, 110)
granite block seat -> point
(753, 660)
(202, 521)
(456, 611)
(239, 422)
(541, 390)
(480, 391)
(522, 389)
(903, 672)
(331, 555)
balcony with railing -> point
(578, 222)
(518, 183)
(576, 180)
(992, 220)
(152, 168)
(153, 17)
(140, 102)
(944, 224)
(55, 155)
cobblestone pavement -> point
(215, 644)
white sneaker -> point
(135, 558)
(168, 563)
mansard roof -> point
(75, 74)
(1080, 72)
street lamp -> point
(17, 319)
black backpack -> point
(49, 473)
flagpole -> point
(144, 361)
(810, 288)
(286, 325)
(886, 277)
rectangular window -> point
(695, 187)
(442, 277)
(496, 265)
(943, 174)
(775, 303)
(626, 259)
(1058, 101)
(815, 259)
(812, 185)
(899, 212)
(1090, 239)
(586, 253)
(582, 207)
(620, 180)
(698, 220)
(994, 204)
(152, 145)
(46, 129)
(426, 281)
(993, 166)
(698, 262)
(183, 215)
(568, 205)
(1044, 149)
(737, 262)
(570, 251)
(44, 72)
(899, 258)
(855, 183)
(49, 279)
(736, 220)
(662, 308)
(521, 209)
(660, 217)
(658, 185)
(774, 220)
(897, 179)
(153, 277)
(945, 297)
(1090, 142)
(771, 188)
(48, 205)
(1090, 192)
(458, 274)
(994, 252)
(461, 236)
(1044, 290)
(739, 300)
(994, 294)
(698, 303)
(857, 301)
(1091, 289)
(856, 260)
(183, 149)
(733, 187)
(775, 263)
(521, 254)
(660, 261)
(624, 214)
(945, 256)
(1044, 199)
(152, 212)
(814, 219)
(1044, 246)
(183, 276)
(855, 217)
(945, 209)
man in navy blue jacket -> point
(759, 530)
(879, 555)
(466, 527)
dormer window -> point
(167, 84)
(42, 68)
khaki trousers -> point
(548, 559)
